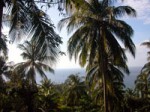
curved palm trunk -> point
(103, 62)
(1, 15)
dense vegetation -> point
(99, 41)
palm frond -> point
(45, 67)
(124, 32)
(3, 45)
(123, 10)
(147, 44)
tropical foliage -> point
(99, 41)
(143, 80)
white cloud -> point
(142, 7)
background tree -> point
(47, 98)
(36, 63)
(75, 90)
(142, 85)
(143, 79)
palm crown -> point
(36, 62)
(96, 21)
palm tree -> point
(36, 62)
(146, 67)
(114, 84)
(75, 90)
(97, 30)
(142, 85)
(26, 19)
(47, 96)
(142, 82)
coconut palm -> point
(143, 80)
(97, 30)
(146, 68)
(114, 84)
(75, 90)
(28, 21)
(71, 5)
(47, 96)
(35, 62)
(143, 85)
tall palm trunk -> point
(103, 65)
(105, 93)
(30, 102)
(1, 15)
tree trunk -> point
(103, 64)
(105, 94)
(1, 16)
(30, 103)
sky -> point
(140, 24)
